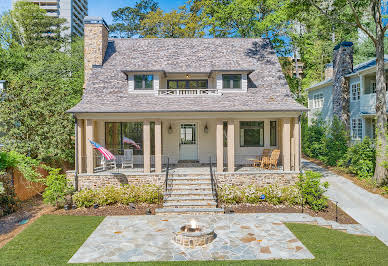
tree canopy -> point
(45, 78)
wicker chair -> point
(260, 159)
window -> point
(374, 87)
(318, 100)
(144, 82)
(356, 128)
(356, 92)
(231, 82)
(251, 133)
(187, 84)
(188, 134)
(116, 131)
(374, 128)
(273, 133)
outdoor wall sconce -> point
(206, 129)
(169, 129)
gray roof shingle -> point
(107, 88)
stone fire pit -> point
(194, 235)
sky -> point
(104, 8)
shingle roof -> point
(107, 87)
(356, 69)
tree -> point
(358, 14)
(29, 26)
(45, 78)
(175, 24)
(127, 20)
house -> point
(354, 99)
(184, 101)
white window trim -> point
(358, 89)
(356, 127)
(155, 84)
(244, 83)
(318, 100)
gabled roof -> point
(356, 69)
(107, 87)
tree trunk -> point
(381, 172)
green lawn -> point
(52, 240)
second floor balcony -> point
(368, 103)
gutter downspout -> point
(76, 153)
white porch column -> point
(81, 145)
(297, 142)
(147, 146)
(220, 145)
(230, 145)
(286, 147)
(292, 148)
(89, 135)
(158, 146)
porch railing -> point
(165, 183)
(185, 92)
(213, 180)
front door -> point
(188, 146)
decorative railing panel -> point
(186, 92)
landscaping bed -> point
(110, 210)
(329, 213)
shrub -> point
(110, 195)
(312, 190)
(313, 139)
(8, 201)
(274, 194)
(361, 159)
(335, 143)
(57, 188)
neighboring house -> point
(74, 11)
(186, 100)
(360, 96)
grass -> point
(52, 240)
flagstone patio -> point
(149, 238)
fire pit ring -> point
(194, 236)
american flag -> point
(107, 154)
(131, 142)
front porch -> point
(187, 143)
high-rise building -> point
(73, 11)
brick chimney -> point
(329, 71)
(96, 33)
(342, 65)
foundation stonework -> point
(92, 181)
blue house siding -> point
(326, 112)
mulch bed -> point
(111, 210)
(328, 214)
(359, 182)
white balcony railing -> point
(368, 103)
(185, 92)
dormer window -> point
(144, 82)
(231, 81)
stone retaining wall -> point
(92, 181)
(261, 179)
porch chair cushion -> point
(128, 158)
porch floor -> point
(187, 170)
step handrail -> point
(213, 181)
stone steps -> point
(190, 204)
(189, 210)
(189, 194)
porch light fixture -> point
(169, 129)
(206, 129)
(187, 76)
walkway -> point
(369, 209)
